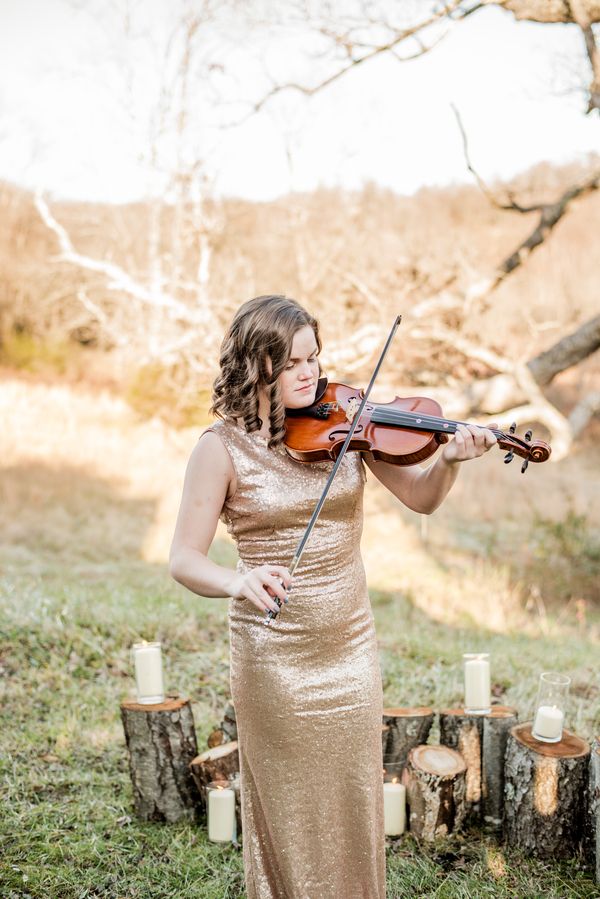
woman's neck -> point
(264, 410)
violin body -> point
(311, 438)
(401, 432)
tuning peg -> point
(512, 428)
(528, 435)
(524, 466)
(509, 457)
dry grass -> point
(89, 498)
(85, 481)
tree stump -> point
(481, 740)
(216, 764)
(593, 816)
(161, 740)
(434, 778)
(544, 793)
(406, 728)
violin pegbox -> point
(530, 451)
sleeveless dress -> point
(307, 687)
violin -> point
(402, 432)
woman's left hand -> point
(469, 442)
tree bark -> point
(566, 352)
(481, 740)
(227, 730)
(545, 786)
(593, 817)
(548, 11)
(161, 740)
(434, 778)
(406, 728)
(217, 764)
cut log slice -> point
(481, 740)
(217, 764)
(161, 740)
(406, 728)
(434, 777)
(544, 793)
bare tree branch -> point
(353, 61)
(567, 352)
(117, 278)
(547, 11)
(551, 214)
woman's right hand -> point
(260, 584)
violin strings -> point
(381, 415)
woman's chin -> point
(301, 399)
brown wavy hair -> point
(263, 328)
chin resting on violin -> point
(307, 690)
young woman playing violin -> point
(307, 690)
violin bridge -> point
(353, 406)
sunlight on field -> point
(86, 484)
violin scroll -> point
(536, 451)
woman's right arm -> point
(209, 479)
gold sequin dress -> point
(307, 687)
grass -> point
(89, 496)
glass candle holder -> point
(477, 683)
(549, 713)
(220, 811)
(147, 663)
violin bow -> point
(317, 511)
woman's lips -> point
(306, 387)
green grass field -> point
(88, 499)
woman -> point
(307, 688)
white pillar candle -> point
(548, 723)
(477, 685)
(221, 814)
(394, 808)
(148, 673)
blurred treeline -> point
(354, 258)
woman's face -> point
(298, 380)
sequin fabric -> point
(307, 687)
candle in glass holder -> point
(147, 661)
(220, 809)
(477, 683)
(394, 807)
(548, 723)
(550, 707)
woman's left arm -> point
(424, 489)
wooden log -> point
(481, 740)
(161, 740)
(227, 730)
(216, 764)
(496, 728)
(593, 811)
(434, 778)
(544, 793)
(406, 728)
